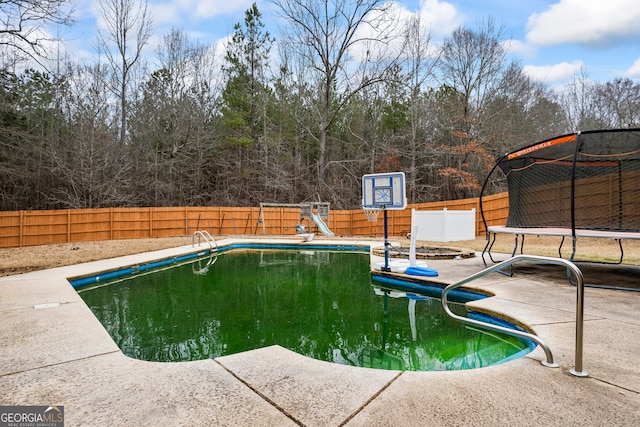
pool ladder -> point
(204, 235)
(577, 370)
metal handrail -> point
(577, 370)
(207, 238)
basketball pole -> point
(386, 241)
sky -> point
(553, 40)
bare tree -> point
(578, 100)
(520, 109)
(473, 62)
(619, 102)
(473, 66)
(92, 168)
(169, 137)
(419, 66)
(22, 26)
(128, 27)
(327, 33)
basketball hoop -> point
(371, 212)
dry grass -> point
(600, 250)
(22, 260)
(31, 258)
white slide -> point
(322, 226)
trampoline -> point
(584, 184)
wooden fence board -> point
(89, 225)
(10, 236)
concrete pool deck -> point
(55, 352)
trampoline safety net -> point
(588, 180)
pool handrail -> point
(204, 234)
(549, 362)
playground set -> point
(314, 214)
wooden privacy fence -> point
(30, 228)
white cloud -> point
(633, 71)
(553, 73)
(441, 17)
(166, 13)
(588, 22)
(175, 13)
(213, 8)
(519, 48)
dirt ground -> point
(25, 259)
(31, 258)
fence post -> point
(110, 223)
(21, 232)
(186, 220)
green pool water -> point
(317, 303)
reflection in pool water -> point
(318, 303)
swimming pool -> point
(319, 303)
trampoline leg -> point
(560, 249)
(513, 253)
(574, 241)
(621, 251)
(521, 246)
(515, 246)
(487, 248)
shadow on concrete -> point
(625, 277)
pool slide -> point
(322, 226)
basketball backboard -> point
(384, 190)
